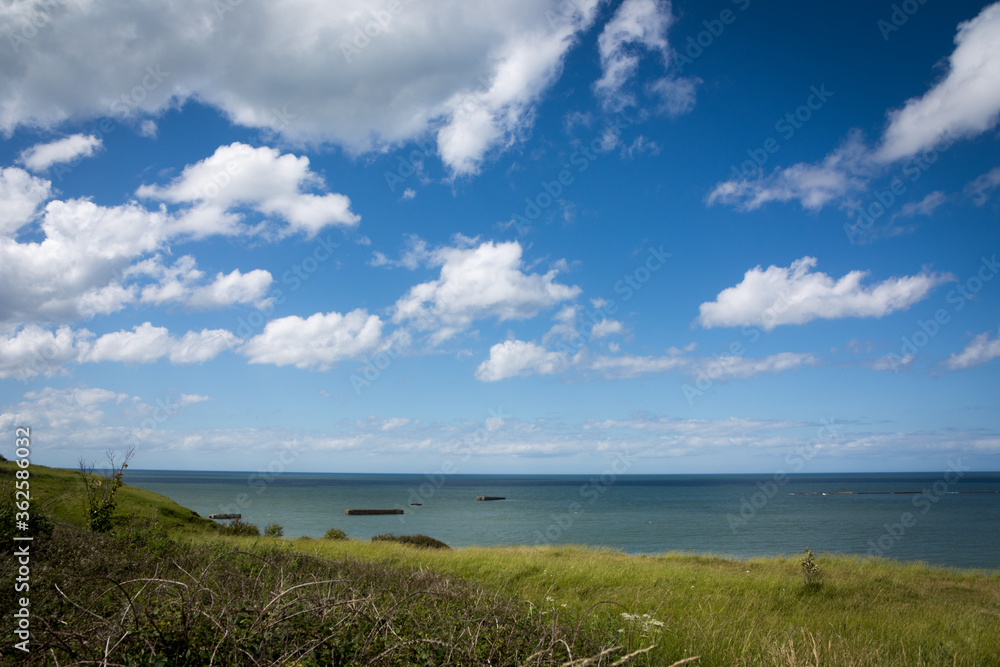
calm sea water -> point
(735, 515)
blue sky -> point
(523, 236)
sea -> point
(950, 518)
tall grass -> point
(760, 612)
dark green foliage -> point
(335, 534)
(130, 599)
(273, 530)
(240, 528)
(415, 540)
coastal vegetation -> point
(167, 587)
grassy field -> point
(863, 611)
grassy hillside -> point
(60, 494)
(862, 612)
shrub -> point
(102, 492)
(335, 534)
(415, 540)
(810, 570)
(241, 529)
(273, 530)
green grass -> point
(864, 611)
(61, 494)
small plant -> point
(335, 534)
(273, 530)
(241, 529)
(810, 570)
(415, 540)
(102, 491)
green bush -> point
(415, 540)
(335, 534)
(273, 530)
(238, 527)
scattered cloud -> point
(606, 327)
(42, 156)
(795, 295)
(980, 350)
(842, 172)
(981, 189)
(521, 358)
(180, 284)
(964, 104)
(146, 344)
(925, 206)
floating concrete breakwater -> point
(371, 512)
(491, 498)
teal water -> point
(736, 515)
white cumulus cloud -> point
(241, 175)
(796, 294)
(146, 344)
(317, 342)
(517, 357)
(477, 282)
(350, 73)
